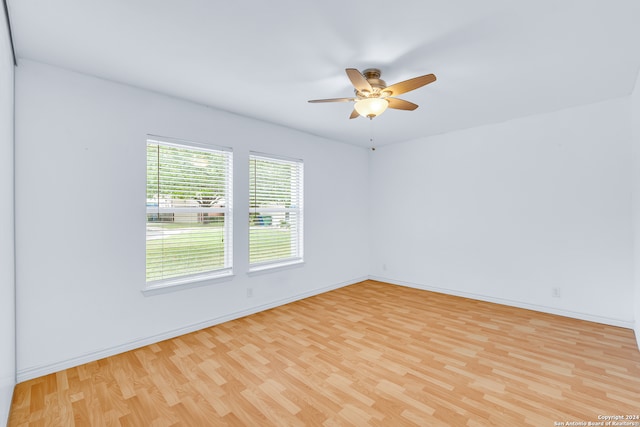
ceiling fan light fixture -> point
(371, 107)
(373, 96)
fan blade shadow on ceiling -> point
(442, 49)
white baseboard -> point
(38, 371)
(544, 309)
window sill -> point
(178, 284)
(277, 266)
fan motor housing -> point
(373, 77)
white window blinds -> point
(189, 217)
(276, 211)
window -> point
(276, 211)
(189, 212)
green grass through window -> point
(175, 249)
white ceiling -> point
(495, 59)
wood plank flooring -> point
(367, 354)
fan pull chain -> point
(373, 148)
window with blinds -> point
(189, 217)
(276, 211)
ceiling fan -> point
(373, 96)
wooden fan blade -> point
(401, 104)
(333, 100)
(408, 85)
(354, 114)
(358, 80)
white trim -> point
(274, 266)
(268, 156)
(180, 143)
(297, 235)
(38, 371)
(541, 308)
(186, 282)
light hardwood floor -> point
(367, 354)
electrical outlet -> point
(555, 292)
(249, 292)
(384, 267)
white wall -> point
(503, 212)
(507, 212)
(7, 278)
(80, 218)
(635, 122)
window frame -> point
(298, 258)
(199, 278)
